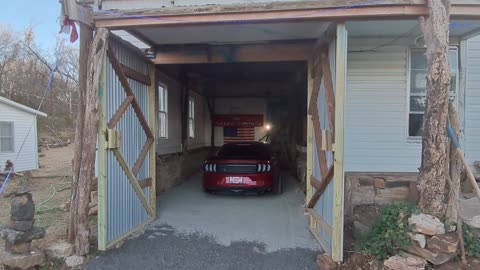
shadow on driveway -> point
(161, 247)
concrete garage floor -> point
(195, 230)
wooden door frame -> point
(313, 133)
(339, 172)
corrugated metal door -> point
(126, 152)
(325, 131)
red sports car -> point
(249, 167)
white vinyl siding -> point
(22, 123)
(173, 141)
(201, 123)
(376, 111)
(472, 100)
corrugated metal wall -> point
(324, 206)
(124, 209)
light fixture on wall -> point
(268, 127)
(420, 42)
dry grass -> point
(50, 188)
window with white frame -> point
(162, 112)
(6, 137)
(418, 85)
(191, 117)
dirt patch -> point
(361, 261)
(366, 215)
(472, 264)
(50, 186)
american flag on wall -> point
(238, 134)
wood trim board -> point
(102, 161)
(406, 11)
(309, 187)
(153, 119)
(338, 178)
(322, 186)
(135, 75)
(325, 227)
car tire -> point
(279, 186)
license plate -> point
(234, 180)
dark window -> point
(254, 151)
(418, 85)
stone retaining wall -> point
(173, 169)
(378, 189)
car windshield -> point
(250, 151)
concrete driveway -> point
(195, 230)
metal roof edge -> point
(140, 9)
(21, 107)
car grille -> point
(237, 168)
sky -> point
(41, 14)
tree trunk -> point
(86, 35)
(434, 168)
(89, 137)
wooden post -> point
(340, 84)
(309, 141)
(212, 127)
(89, 137)
(102, 160)
(86, 35)
(184, 113)
(152, 120)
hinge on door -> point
(114, 139)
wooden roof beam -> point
(126, 21)
(274, 52)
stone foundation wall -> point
(379, 189)
(174, 169)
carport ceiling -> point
(231, 33)
(280, 72)
(251, 79)
(237, 33)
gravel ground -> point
(164, 248)
(195, 230)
